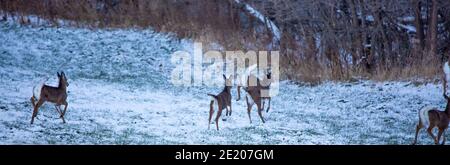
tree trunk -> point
(432, 29)
(357, 42)
(365, 53)
(417, 4)
(383, 47)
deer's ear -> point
(62, 74)
(224, 77)
(59, 75)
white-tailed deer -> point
(255, 93)
(430, 118)
(222, 100)
(56, 95)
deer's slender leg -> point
(58, 108)
(260, 113)
(429, 130)
(33, 101)
(36, 109)
(268, 106)
(226, 114)
(32, 116)
(443, 138)
(211, 111)
(219, 112)
(65, 108)
(230, 109)
(229, 102)
(418, 127)
(38, 104)
(64, 112)
(238, 93)
(263, 103)
(249, 109)
(439, 136)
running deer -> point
(56, 95)
(430, 118)
(222, 100)
(255, 94)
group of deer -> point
(254, 97)
(429, 117)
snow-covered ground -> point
(120, 94)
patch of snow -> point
(120, 93)
(408, 28)
(270, 24)
(408, 18)
(370, 18)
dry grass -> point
(222, 22)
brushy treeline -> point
(321, 39)
(375, 39)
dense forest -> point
(320, 39)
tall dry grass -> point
(226, 23)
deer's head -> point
(269, 73)
(447, 109)
(228, 82)
(268, 76)
(63, 79)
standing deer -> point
(255, 94)
(222, 100)
(430, 118)
(56, 95)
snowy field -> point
(120, 93)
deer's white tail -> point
(424, 117)
(216, 103)
(37, 90)
(214, 98)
